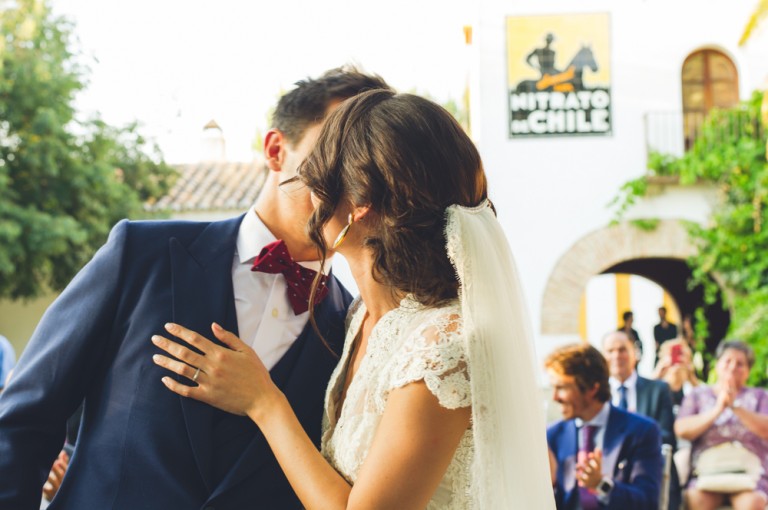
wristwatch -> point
(605, 487)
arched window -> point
(710, 80)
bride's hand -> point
(233, 379)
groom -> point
(140, 445)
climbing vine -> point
(730, 153)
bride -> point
(433, 403)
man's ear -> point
(592, 392)
(274, 149)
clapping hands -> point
(589, 470)
(726, 396)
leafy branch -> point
(729, 153)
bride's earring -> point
(343, 233)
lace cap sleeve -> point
(435, 353)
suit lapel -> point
(289, 376)
(258, 450)
(569, 449)
(643, 399)
(202, 293)
(613, 440)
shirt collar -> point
(253, 236)
(630, 383)
(600, 419)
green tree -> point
(64, 181)
(459, 110)
(730, 153)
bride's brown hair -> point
(408, 159)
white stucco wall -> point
(550, 192)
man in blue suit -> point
(141, 446)
(602, 457)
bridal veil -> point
(511, 463)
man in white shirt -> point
(637, 394)
(141, 446)
(602, 456)
(634, 393)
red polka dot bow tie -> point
(274, 258)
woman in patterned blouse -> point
(727, 411)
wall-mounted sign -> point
(558, 75)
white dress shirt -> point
(631, 385)
(600, 420)
(265, 317)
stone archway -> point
(593, 255)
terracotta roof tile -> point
(214, 186)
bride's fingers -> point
(227, 338)
(195, 340)
(195, 392)
(179, 352)
(177, 367)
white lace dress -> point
(408, 344)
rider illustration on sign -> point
(553, 79)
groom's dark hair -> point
(308, 102)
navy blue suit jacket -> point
(631, 457)
(140, 445)
(654, 400)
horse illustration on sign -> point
(569, 80)
(562, 100)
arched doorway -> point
(673, 275)
(658, 255)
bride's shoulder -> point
(434, 351)
(439, 324)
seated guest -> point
(675, 367)
(634, 393)
(637, 394)
(728, 411)
(602, 456)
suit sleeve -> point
(61, 361)
(666, 417)
(641, 492)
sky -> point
(174, 65)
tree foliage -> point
(730, 153)
(459, 110)
(64, 181)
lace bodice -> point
(408, 344)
